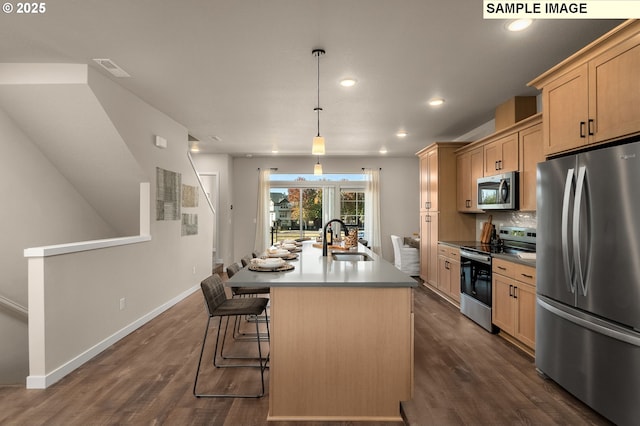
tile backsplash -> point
(506, 218)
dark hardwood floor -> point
(463, 376)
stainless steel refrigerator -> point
(588, 278)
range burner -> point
(513, 240)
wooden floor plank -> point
(463, 376)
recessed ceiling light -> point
(348, 82)
(519, 24)
(436, 101)
(195, 149)
(383, 150)
(402, 134)
(274, 151)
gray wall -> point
(39, 207)
(43, 207)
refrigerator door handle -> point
(577, 256)
(568, 265)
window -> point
(352, 208)
(302, 204)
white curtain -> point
(372, 210)
(328, 205)
(263, 222)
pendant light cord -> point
(318, 53)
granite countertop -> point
(504, 256)
(311, 269)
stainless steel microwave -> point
(498, 192)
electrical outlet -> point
(194, 270)
(123, 304)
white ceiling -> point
(242, 70)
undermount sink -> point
(353, 257)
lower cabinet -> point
(449, 271)
(514, 300)
(429, 231)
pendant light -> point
(318, 141)
(317, 169)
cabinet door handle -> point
(499, 164)
(427, 218)
(515, 292)
(468, 203)
(429, 204)
(527, 276)
(501, 268)
(495, 165)
(582, 124)
(590, 127)
(510, 290)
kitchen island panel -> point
(340, 353)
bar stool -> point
(218, 305)
(244, 292)
(246, 260)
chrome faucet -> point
(324, 234)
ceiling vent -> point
(112, 67)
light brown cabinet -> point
(517, 148)
(470, 167)
(449, 271)
(439, 218)
(614, 105)
(565, 102)
(429, 181)
(531, 154)
(514, 300)
(501, 156)
(429, 247)
(592, 97)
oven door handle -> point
(476, 256)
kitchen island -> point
(341, 337)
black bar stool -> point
(218, 305)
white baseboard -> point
(42, 382)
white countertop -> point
(314, 270)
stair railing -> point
(14, 307)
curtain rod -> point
(366, 167)
(273, 169)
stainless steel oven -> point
(475, 270)
(475, 287)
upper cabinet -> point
(501, 156)
(429, 180)
(530, 148)
(515, 148)
(565, 103)
(470, 167)
(614, 86)
(592, 96)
